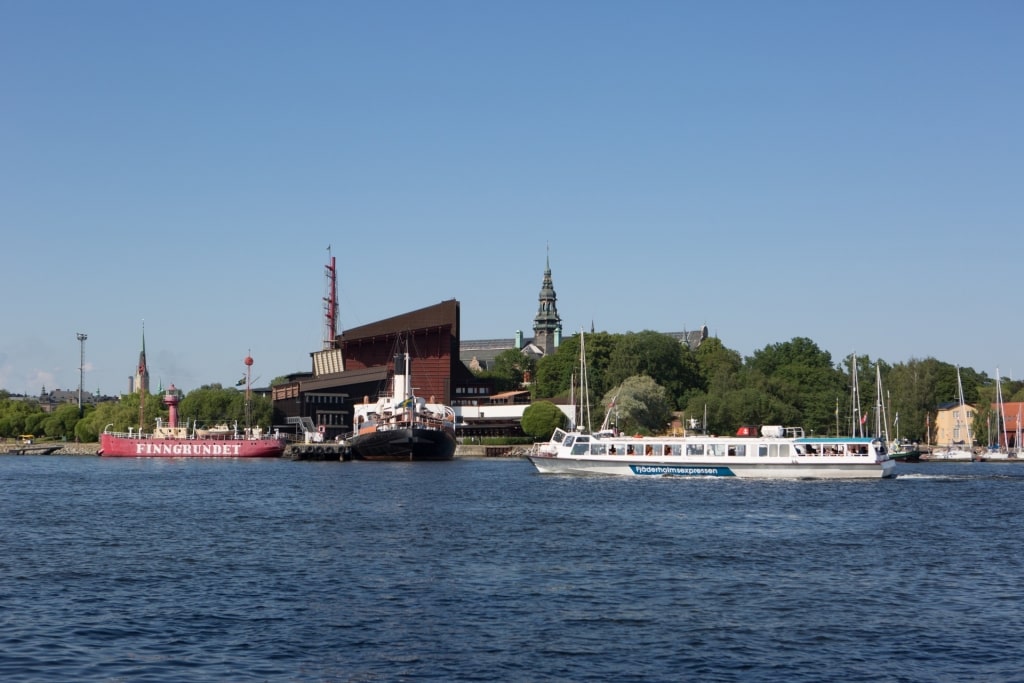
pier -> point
(40, 449)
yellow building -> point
(954, 425)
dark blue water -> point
(482, 570)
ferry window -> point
(580, 447)
(611, 450)
(649, 450)
(740, 450)
(676, 449)
(597, 449)
(629, 449)
(716, 449)
(762, 450)
(695, 449)
(667, 450)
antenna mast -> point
(330, 304)
(248, 391)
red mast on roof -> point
(331, 304)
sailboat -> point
(957, 451)
(1017, 436)
(897, 449)
(1000, 451)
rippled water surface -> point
(483, 570)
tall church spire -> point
(141, 385)
(547, 326)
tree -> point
(85, 429)
(658, 356)
(555, 371)
(15, 416)
(717, 364)
(61, 422)
(509, 370)
(800, 382)
(911, 389)
(540, 419)
(514, 365)
(641, 406)
(123, 415)
(212, 404)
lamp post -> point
(81, 367)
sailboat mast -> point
(584, 386)
(881, 418)
(1000, 420)
(857, 426)
(962, 413)
(572, 401)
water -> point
(482, 570)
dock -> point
(317, 451)
(34, 449)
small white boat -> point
(775, 453)
(952, 454)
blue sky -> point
(849, 172)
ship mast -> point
(330, 304)
(142, 389)
(248, 392)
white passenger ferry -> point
(776, 453)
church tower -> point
(141, 385)
(547, 326)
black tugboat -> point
(401, 425)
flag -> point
(897, 420)
(863, 418)
(407, 403)
(240, 382)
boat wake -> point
(986, 476)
